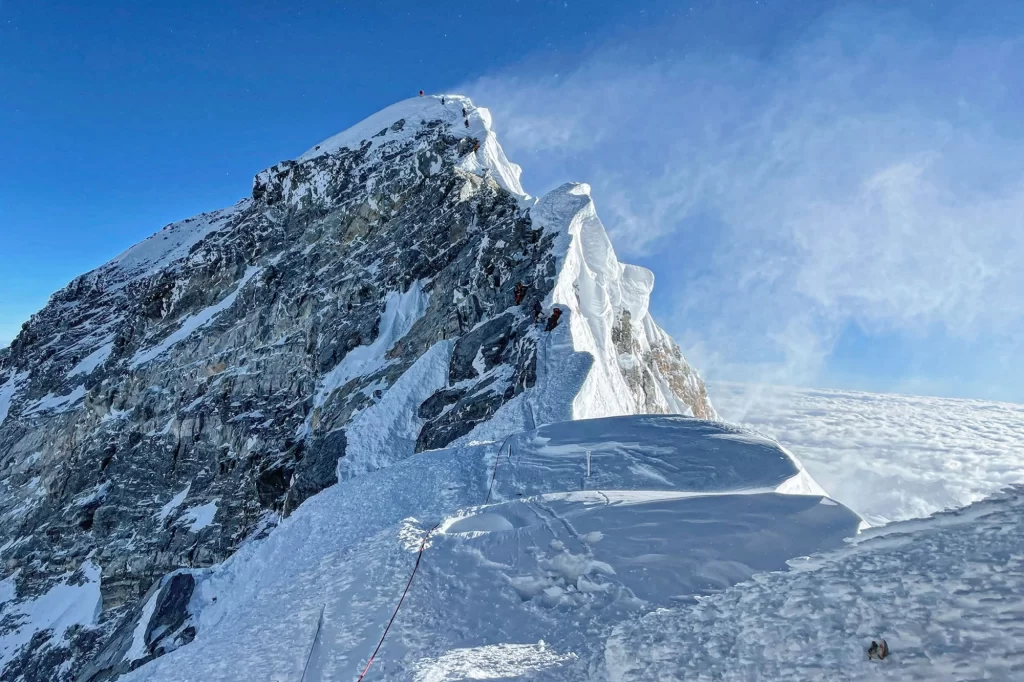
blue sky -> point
(829, 193)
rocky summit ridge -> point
(373, 298)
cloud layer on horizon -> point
(869, 174)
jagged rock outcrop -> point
(171, 405)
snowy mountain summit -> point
(245, 390)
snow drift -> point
(527, 587)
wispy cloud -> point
(870, 172)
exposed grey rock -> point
(164, 627)
(193, 374)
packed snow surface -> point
(888, 457)
(527, 587)
(944, 592)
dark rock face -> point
(168, 627)
(192, 365)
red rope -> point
(419, 557)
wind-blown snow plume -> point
(859, 173)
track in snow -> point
(945, 593)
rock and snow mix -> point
(372, 299)
(529, 586)
(72, 602)
(246, 424)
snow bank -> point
(943, 592)
(138, 648)
(386, 432)
(648, 452)
(554, 563)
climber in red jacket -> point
(553, 320)
(520, 291)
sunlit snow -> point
(888, 457)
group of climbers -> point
(538, 310)
(465, 119)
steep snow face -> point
(944, 593)
(528, 586)
(637, 367)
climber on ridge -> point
(538, 312)
(442, 100)
(520, 290)
(421, 93)
(553, 320)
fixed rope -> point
(316, 636)
(497, 458)
(419, 557)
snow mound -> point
(648, 452)
(527, 588)
(943, 592)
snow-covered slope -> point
(637, 367)
(528, 586)
(944, 592)
(373, 299)
(889, 457)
